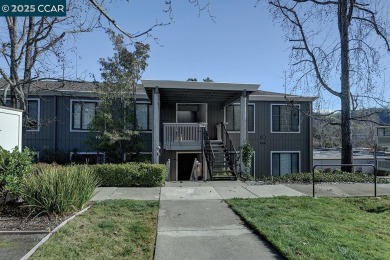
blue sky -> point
(243, 45)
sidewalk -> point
(194, 222)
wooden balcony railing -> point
(182, 136)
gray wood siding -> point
(55, 130)
(264, 141)
(68, 140)
(45, 137)
(215, 114)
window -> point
(82, 114)
(383, 131)
(285, 163)
(144, 117)
(285, 118)
(233, 115)
(33, 114)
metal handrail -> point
(232, 153)
(335, 165)
(208, 151)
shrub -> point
(54, 156)
(59, 189)
(336, 176)
(247, 154)
(131, 174)
(14, 166)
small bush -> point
(336, 176)
(131, 174)
(14, 166)
(59, 189)
(54, 156)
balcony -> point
(183, 136)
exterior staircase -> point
(223, 166)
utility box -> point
(10, 128)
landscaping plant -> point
(320, 176)
(14, 166)
(247, 155)
(131, 174)
(58, 189)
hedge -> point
(130, 174)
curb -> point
(35, 248)
(25, 232)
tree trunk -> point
(346, 141)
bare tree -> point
(32, 48)
(35, 48)
(319, 55)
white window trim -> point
(39, 115)
(290, 152)
(71, 114)
(144, 153)
(254, 164)
(280, 132)
(145, 102)
(37, 154)
(254, 118)
(88, 153)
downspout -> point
(311, 136)
(55, 121)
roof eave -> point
(171, 84)
(281, 98)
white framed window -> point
(144, 116)
(285, 162)
(285, 118)
(81, 114)
(233, 117)
(87, 157)
(34, 114)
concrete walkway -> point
(194, 222)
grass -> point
(113, 229)
(322, 228)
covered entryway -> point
(185, 161)
(191, 113)
(199, 108)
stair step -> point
(224, 175)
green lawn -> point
(322, 228)
(114, 229)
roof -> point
(197, 92)
(261, 95)
(200, 89)
(83, 88)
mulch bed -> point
(19, 217)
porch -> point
(185, 119)
(183, 136)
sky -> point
(241, 44)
